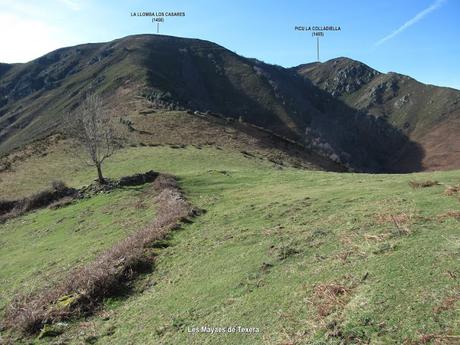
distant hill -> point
(427, 114)
(340, 109)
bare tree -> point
(92, 125)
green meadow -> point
(291, 256)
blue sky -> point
(414, 37)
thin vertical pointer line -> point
(317, 47)
(158, 28)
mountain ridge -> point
(320, 105)
(427, 114)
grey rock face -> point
(349, 78)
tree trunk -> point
(99, 173)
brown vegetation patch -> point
(85, 287)
(329, 298)
(377, 238)
(422, 184)
(352, 253)
(448, 303)
(401, 221)
(452, 190)
(434, 339)
(401, 218)
(450, 214)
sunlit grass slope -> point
(305, 257)
(43, 246)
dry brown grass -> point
(401, 218)
(328, 298)
(452, 190)
(422, 184)
(450, 214)
(85, 287)
(377, 238)
(434, 339)
(448, 303)
(402, 221)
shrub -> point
(422, 184)
(138, 179)
(6, 206)
(14, 208)
(58, 185)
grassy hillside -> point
(175, 129)
(429, 115)
(307, 257)
(36, 95)
(173, 73)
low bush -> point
(13, 208)
(422, 184)
(60, 195)
(138, 179)
(6, 206)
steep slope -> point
(35, 95)
(4, 67)
(427, 114)
(170, 73)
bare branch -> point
(92, 126)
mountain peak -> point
(348, 75)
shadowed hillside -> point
(312, 104)
(427, 114)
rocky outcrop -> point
(427, 116)
(339, 76)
